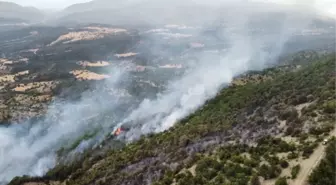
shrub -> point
(251, 163)
(19, 180)
(295, 171)
(219, 179)
(237, 159)
(330, 107)
(289, 130)
(293, 155)
(255, 180)
(299, 100)
(289, 114)
(324, 173)
(208, 168)
(319, 131)
(269, 172)
(284, 164)
(281, 181)
(308, 150)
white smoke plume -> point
(246, 52)
(30, 148)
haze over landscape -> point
(167, 92)
(51, 4)
(325, 6)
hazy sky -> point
(326, 6)
(49, 4)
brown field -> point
(40, 87)
(94, 34)
(88, 75)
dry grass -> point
(253, 78)
(29, 100)
(192, 170)
(5, 64)
(94, 33)
(301, 106)
(125, 55)
(7, 78)
(34, 183)
(11, 78)
(5, 61)
(93, 64)
(88, 75)
(40, 87)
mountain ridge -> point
(12, 10)
(156, 12)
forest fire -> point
(118, 132)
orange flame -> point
(118, 132)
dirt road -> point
(308, 165)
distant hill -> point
(14, 11)
(4, 20)
(88, 6)
(135, 11)
(102, 4)
(160, 12)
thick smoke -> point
(246, 51)
(30, 148)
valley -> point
(100, 97)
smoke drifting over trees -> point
(253, 35)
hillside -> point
(225, 93)
(260, 130)
(41, 63)
(101, 11)
(92, 5)
(324, 173)
(46, 71)
(37, 63)
(10, 10)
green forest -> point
(236, 138)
